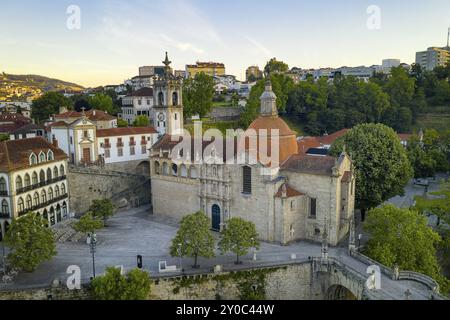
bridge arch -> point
(339, 292)
(143, 168)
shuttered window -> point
(247, 180)
(313, 211)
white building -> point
(137, 104)
(101, 119)
(433, 58)
(32, 179)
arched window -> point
(27, 180)
(21, 205)
(3, 186)
(29, 202)
(165, 169)
(45, 215)
(43, 196)
(36, 199)
(160, 98)
(42, 176)
(5, 207)
(42, 157)
(49, 174)
(50, 156)
(34, 178)
(19, 183)
(58, 213)
(57, 191)
(52, 216)
(157, 168)
(63, 189)
(50, 194)
(247, 180)
(183, 170)
(62, 170)
(64, 209)
(55, 172)
(175, 99)
(33, 159)
(174, 170)
(194, 172)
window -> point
(50, 155)
(313, 208)
(20, 205)
(247, 180)
(292, 205)
(175, 99)
(85, 134)
(157, 169)
(3, 186)
(139, 102)
(19, 183)
(36, 199)
(63, 189)
(120, 152)
(71, 140)
(55, 172)
(107, 153)
(50, 194)
(29, 202)
(42, 176)
(174, 170)
(161, 98)
(49, 174)
(42, 157)
(143, 149)
(62, 170)
(33, 159)
(43, 196)
(27, 180)
(132, 151)
(5, 207)
(57, 194)
(34, 178)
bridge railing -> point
(366, 260)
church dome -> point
(269, 120)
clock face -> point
(161, 117)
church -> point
(300, 197)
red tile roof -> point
(93, 115)
(15, 154)
(309, 164)
(143, 92)
(115, 132)
(290, 192)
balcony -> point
(40, 185)
(43, 204)
(143, 142)
(3, 193)
(119, 145)
(5, 216)
(106, 145)
(132, 143)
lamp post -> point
(93, 245)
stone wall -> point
(281, 283)
(86, 185)
(225, 113)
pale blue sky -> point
(116, 37)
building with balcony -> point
(32, 179)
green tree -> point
(48, 104)
(135, 285)
(102, 102)
(275, 66)
(31, 242)
(4, 137)
(198, 93)
(402, 237)
(194, 238)
(438, 204)
(400, 87)
(238, 237)
(141, 121)
(88, 224)
(381, 163)
(102, 209)
(423, 165)
(122, 123)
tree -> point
(423, 165)
(198, 93)
(141, 121)
(31, 242)
(275, 66)
(122, 123)
(101, 102)
(438, 204)
(194, 238)
(238, 237)
(4, 137)
(400, 87)
(135, 285)
(381, 163)
(102, 209)
(88, 224)
(402, 237)
(48, 104)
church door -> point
(87, 155)
(216, 217)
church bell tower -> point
(168, 102)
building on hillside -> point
(11, 122)
(101, 119)
(212, 69)
(136, 104)
(140, 82)
(253, 73)
(32, 179)
(300, 197)
(433, 57)
(87, 144)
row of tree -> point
(328, 106)
(194, 238)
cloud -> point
(259, 47)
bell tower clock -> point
(168, 102)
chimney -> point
(55, 142)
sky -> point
(117, 36)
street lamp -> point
(93, 245)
